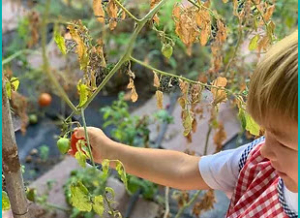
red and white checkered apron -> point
(256, 193)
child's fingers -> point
(79, 132)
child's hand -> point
(101, 145)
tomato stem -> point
(87, 137)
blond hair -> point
(273, 87)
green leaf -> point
(81, 158)
(60, 42)
(15, 83)
(31, 194)
(121, 171)
(5, 201)
(98, 205)
(83, 93)
(242, 118)
(251, 125)
(8, 89)
(80, 197)
(105, 166)
(167, 50)
(254, 43)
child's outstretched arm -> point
(165, 167)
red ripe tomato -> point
(74, 141)
(44, 99)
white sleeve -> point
(220, 171)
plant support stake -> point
(11, 163)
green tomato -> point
(63, 145)
(33, 119)
(167, 50)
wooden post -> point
(11, 164)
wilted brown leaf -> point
(156, 82)
(134, 95)
(206, 203)
(263, 43)
(220, 137)
(34, 25)
(152, 5)
(221, 33)
(185, 24)
(219, 95)
(123, 15)
(19, 104)
(98, 10)
(184, 86)
(187, 121)
(81, 49)
(112, 11)
(204, 23)
(269, 13)
(182, 102)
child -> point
(261, 177)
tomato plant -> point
(188, 33)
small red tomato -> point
(44, 99)
(74, 141)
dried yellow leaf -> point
(112, 11)
(219, 95)
(184, 86)
(81, 49)
(185, 24)
(98, 10)
(123, 15)
(159, 99)
(269, 13)
(156, 82)
(134, 95)
(221, 34)
(187, 122)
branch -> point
(201, 6)
(15, 55)
(127, 12)
(236, 95)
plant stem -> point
(183, 78)
(126, 11)
(207, 139)
(167, 209)
(87, 137)
(201, 6)
(53, 206)
(54, 81)
(18, 53)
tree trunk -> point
(11, 164)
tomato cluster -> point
(66, 145)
